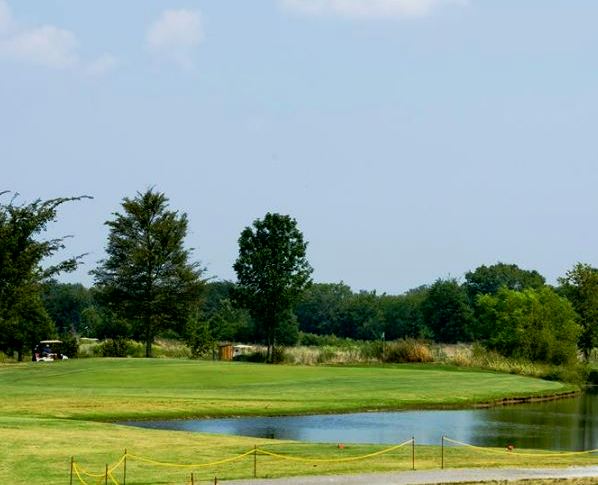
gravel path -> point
(430, 476)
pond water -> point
(566, 424)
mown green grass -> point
(49, 412)
(110, 389)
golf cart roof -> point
(50, 341)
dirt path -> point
(430, 476)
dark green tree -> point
(272, 272)
(65, 303)
(403, 317)
(447, 312)
(230, 323)
(320, 308)
(23, 318)
(538, 325)
(361, 317)
(148, 278)
(580, 287)
(489, 279)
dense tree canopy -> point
(580, 286)
(532, 324)
(403, 317)
(320, 308)
(23, 317)
(66, 304)
(447, 312)
(148, 278)
(272, 273)
(489, 279)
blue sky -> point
(411, 139)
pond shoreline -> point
(529, 399)
(507, 401)
(562, 422)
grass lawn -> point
(49, 412)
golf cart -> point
(48, 351)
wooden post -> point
(106, 475)
(192, 479)
(125, 469)
(413, 452)
(442, 453)
(72, 462)
(254, 461)
(215, 480)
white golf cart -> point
(48, 351)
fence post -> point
(254, 461)
(192, 479)
(125, 469)
(413, 452)
(106, 475)
(71, 476)
(442, 453)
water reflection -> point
(568, 424)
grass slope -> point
(112, 389)
(47, 414)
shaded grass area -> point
(49, 412)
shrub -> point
(313, 340)
(6, 358)
(119, 347)
(200, 339)
(407, 350)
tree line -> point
(150, 285)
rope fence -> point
(509, 450)
(108, 475)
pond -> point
(566, 424)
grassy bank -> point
(49, 412)
(42, 448)
(109, 389)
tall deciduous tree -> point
(537, 325)
(148, 278)
(580, 287)
(272, 272)
(320, 308)
(23, 318)
(489, 279)
(447, 312)
(65, 303)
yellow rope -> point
(112, 478)
(118, 463)
(76, 470)
(200, 465)
(516, 453)
(333, 460)
(92, 475)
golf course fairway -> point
(52, 411)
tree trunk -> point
(148, 336)
(269, 350)
(20, 355)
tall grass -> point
(479, 357)
(161, 348)
(399, 351)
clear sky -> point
(411, 139)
